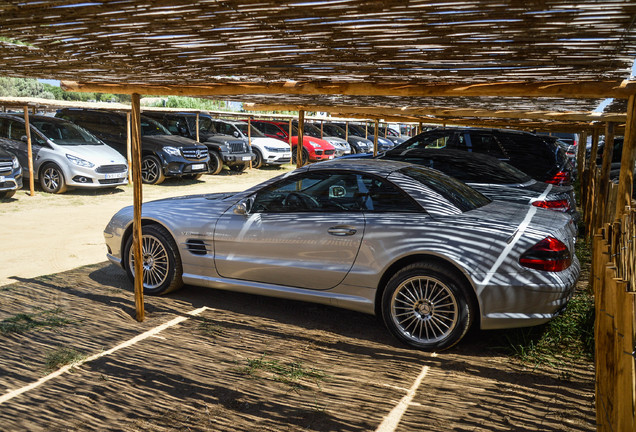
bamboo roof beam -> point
(553, 88)
(588, 116)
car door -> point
(304, 231)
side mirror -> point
(236, 134)
(243, 207)
(24, 139)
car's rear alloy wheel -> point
(161, 264)
(52, 179)
(426, 306)
(151, 171)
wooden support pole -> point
(626, 178)
(129, 147)
(27, 128)
(197, 128)
(291, 147)
(386, 130)
(603, 188)
(580, 159)
(375, 138)
(300, 145)
(366, 130)
(347, 131)
(590, 200)
(249, 137)
(137, 199)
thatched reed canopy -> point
(336, 52)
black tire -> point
(258, 162)
(162, 262)
(151, 170)
(7, 194)
(354, 150)
(52, 179)
(305, 159)
(215, 165)
(427, 306)
(238, 168)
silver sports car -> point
(427, 253)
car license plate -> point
(330, 156)
(286, 155)
(246, 158)
(197, 167)
(115, 175)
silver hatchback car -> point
(64, 154)
(427, 253)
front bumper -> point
(11, 181)
(237, 158)
(98, 177)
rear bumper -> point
(530, 304)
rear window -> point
(491, 171)
(457, 193)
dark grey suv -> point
(163, 154)
(541, 160)
(226, 147)
(10, 174)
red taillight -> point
(561, 178)
(549, 254)
(556, 205)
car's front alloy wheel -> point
(161, 262)
(52, 179)
(151, 171)
(427, 306)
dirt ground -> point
(239, 362)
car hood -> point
(168, 140)
(270, 142)
(219, 138)
(98, 154)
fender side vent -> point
(196, 247)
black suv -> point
(163, 154)
(541, 160)
(10, 174)
(225, 145)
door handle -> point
(341, 230)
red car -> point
(314, 149)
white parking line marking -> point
(8, 396)
(391, 421)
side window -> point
(4, 128)
(381, 196)
(483, 143)
(333, 192)
(16, 130)
(431, 141)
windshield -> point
(64, 133)
(457, 193)
(151, 127)
(357, 130)
(333, 130)
(308, 130)
(243, 128)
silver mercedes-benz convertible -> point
(428, 254)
